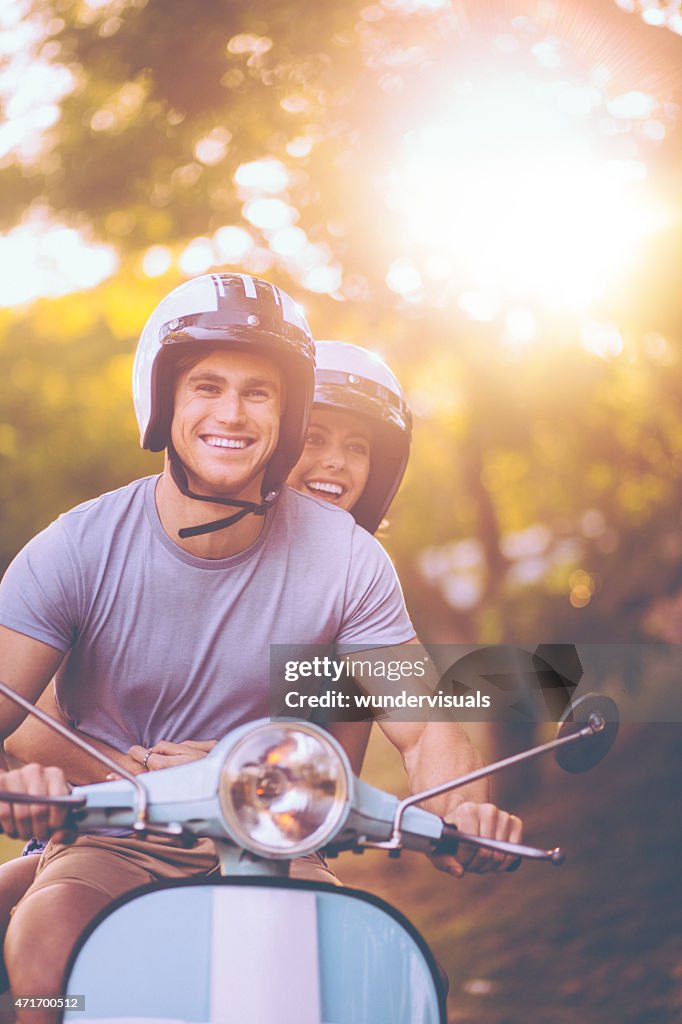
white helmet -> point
(238, 312)
(352, 379)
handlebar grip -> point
(451, 839)
(448, 842)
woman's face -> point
(334, 465)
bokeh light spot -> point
(41, 257)
(156, 261)
(212, 148)
(267, 175)
(403, 277)
(233, 243)
(269, 214)
(197, 257)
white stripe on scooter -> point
(252, 928)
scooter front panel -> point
(256, 951)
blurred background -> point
(488, 194)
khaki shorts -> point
(114, 865)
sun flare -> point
(511, 190)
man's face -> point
(226, 422)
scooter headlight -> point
(285, 789)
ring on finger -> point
(145, 759)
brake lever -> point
(72, 802)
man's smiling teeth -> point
(225, 442)
(317, 485)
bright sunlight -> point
(512, 188)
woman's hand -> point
(169, 755)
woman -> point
(358, 441)
(355, 454)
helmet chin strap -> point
(245, 507)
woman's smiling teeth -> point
(326, 488)
(226, 442)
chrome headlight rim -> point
(331, 825)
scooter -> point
(251, 945)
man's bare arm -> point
(35, 742)
(353, 737)
(26, 665)
(432, 753)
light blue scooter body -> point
(253, 951)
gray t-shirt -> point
(165, 645)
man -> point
(157, 610)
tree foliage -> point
(542, 501)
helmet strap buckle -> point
(244, 507)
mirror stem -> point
(595, 724)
